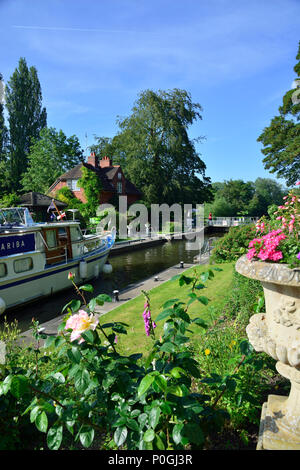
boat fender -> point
(107, 268)
(2, 305)
(96, 270)
(83, 269)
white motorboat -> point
(35, 258)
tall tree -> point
(281, 140)
(156, 152)
(51, 154)
(3, 142)
(26, 117)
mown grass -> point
(131, 312)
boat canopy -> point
(15, 217)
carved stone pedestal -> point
(280, 418)
(277, 333)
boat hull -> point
(26, 289)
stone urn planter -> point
(277, 333)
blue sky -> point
(94, 57)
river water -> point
(128, 269)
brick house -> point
(112, 177)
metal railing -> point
(230, 221)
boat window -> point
(22, 265)
(75, 234)
(51, 238)
(62, 233)
(3, 269)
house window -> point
(73, 185)
(119, 187)
(119, 176)
(22, 265)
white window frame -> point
(73, 184)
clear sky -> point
(94, 57)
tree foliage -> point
(92, 186)
(26, 117)
(281, 139)
(51, 154)
(155, 151)
(236, 197)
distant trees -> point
(26, 118)
(281, 139)
(236, 197)
(50, 155)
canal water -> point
(128, 269)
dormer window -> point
(119, 176)
(73, 184)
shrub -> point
(233, 245)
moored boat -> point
(35, 258)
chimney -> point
(105, 162)
(93, 160)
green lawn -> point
(131, 312)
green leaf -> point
(86, 436)
(176, 433)
(132, 424)
(74, 305)
(92, 305)
(200, 322)
(204, 276)
(203, 300)
(194, 433)
(41, 422)
(103, 298)
(177, 372)
(169, 303)
(168, 347)
(82, 380)
(89, 336)
(54, 437)
(87, 288)
(49, 341)
(164, 314)
(120, 435)
(159, 443)
(154, 416)
(161, 382)
(146, 382)
(175, 390)
(33, 414)
(74, 354)
(149, 435)
(18, 386)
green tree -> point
(267, 192)
(50, 155)
(26, 117)
(238, 194)
(281, 139)
(156, 152)
(4, 180)
(92, 187)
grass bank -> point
(131, 312)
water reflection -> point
(128, 269)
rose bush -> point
(277, 239)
